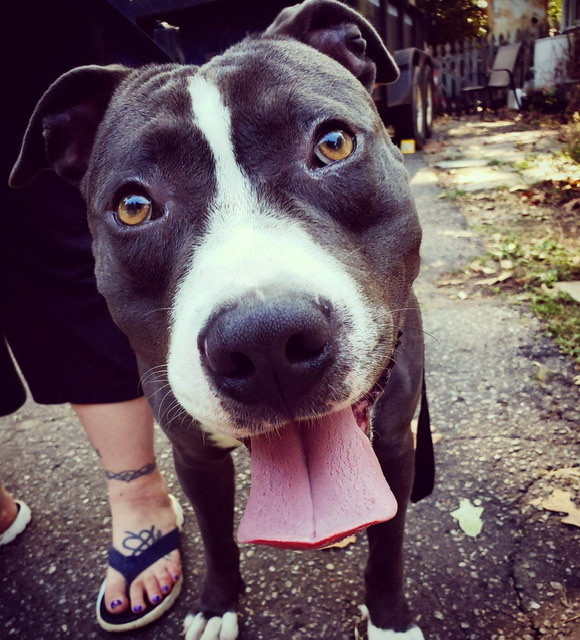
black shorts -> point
(51, 315)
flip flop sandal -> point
(22, 519)
(130, 567)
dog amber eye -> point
(134, 209)
(334, 146)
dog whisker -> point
(156, 311)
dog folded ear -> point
(62, 128)
(341, 33)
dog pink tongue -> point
(314, 484)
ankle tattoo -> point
(136, 543)
(131, 474)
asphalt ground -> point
(505, 413)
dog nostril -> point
(231, 364)
(240, 366)
(307, 346)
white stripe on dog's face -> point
(249, 247)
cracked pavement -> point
(505, 413)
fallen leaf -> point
(449, 233)
(451, 282)
(488, 271)
(566, 472)
(341, 544)
(469, 517)
(505, 275)
(561, 502)
(569, 206)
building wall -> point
(511, 15)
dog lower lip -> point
(361, 409)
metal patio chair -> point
(500, 77)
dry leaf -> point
(341, 544)
(469, 517)
(456, 234)
(561, 502)
(569, 206)
(566, 472)
(451, 282)
(505, 275)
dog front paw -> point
(199, 627)
(374, 633)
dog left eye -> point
(334, 146)
(134, 209)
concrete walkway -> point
(479, 155)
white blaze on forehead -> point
(213, 118)
(249, 247)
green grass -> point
(454, 194)
(496, 163)
(561, 317)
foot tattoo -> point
(136, 543)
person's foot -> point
(141, 513)
(8, 510)
(14, 517)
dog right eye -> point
(334, 146)
(134, 209)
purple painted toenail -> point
(176, 576)
(115, 604)
(137, 608)
(165, 588)
(156, 599)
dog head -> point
(253, 226)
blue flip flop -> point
(130, 567)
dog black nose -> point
(269, 352)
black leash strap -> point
(424, 455)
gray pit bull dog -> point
(256, 239)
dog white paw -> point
(198, 627)
(374, 633)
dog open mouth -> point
(316, 482)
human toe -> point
(137, 596)
(166, 581)
(115, 597)
(152, 589)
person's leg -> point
(122, 434)
(70, 351)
